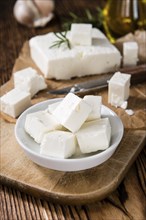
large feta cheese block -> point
(15, 102)
(72, 112)
(118, 88)
(29, 80)
(59, 144)
(64, 63)
(130, 53)
(39, 123)
(94, 135)
(95, 103)
(81, 34)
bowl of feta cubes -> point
(70, 133)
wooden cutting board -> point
(71, 187)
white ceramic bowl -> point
(82, 162)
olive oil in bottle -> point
(123, 16)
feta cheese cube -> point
(59, 144)
(39, 123)
(72, 112)
(29, 80)
(15, 102)
(130, 53)
(64, 63)
(81, 34)
(52, 107)
(95, 103)
(94, 135)
(118, 88)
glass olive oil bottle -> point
(123, 16)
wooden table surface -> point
(127, 202)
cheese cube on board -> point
(118, 88)
(94, 135)
(95, 103)
(130, 53)
(39, 123)
(29, 80)
(81, 34)
(59, 144)
(72, 112)
(15, 102)
(64, 63)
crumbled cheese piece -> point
(129, 112)
(118, 88)
(39, 123)
(29, 80)
(73, 89)
(94, 135)
(64, 63)
(130, 53)
(81, 34)
(124, 105)
(72, 112)
(95, 103)
(59, 144)
(15, 102)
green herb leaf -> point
(95, 18)
(62, 40)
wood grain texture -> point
(57, 186)
(66, 187)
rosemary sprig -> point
(62, 39)
(95, 18)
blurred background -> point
(114, 17)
